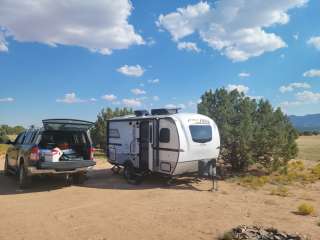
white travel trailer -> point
(164, 141)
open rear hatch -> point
(68, 137)
(66, 124)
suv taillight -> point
(91, 152)
(35, 154)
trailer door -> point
(169, 145)
(144, 145)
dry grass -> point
(226, 236)
(309, 148)
(280, 191)
(305, 209)
(305, 170)
(295, 172)
(3, 149)
(99, 153)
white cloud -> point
(151, 41)
(131, 102)
(8, 99)
(138, 91)
(296, 36)
(182, 106)
(286, 104)
(315, 42)
(191, 103)
(240, 88)
(290, 87)
(237, 29)
(72, 98)
(156, 98)
(188, 46)
(109, 97)
(154, 81)
(135, 71)
(171, 105)
(244, 75)
(255, 97)
(308, 96)
(3, 43)
(312, 73)
(101, 26)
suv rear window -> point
(201, 133)
(62, 139)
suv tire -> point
(6, 171)
(24, 180)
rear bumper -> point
(61, 167)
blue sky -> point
(73, 59)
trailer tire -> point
(116, 169)
(130, 175)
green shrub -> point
(254, 181)
(305, 209)
(226, 236)
(4, 139)
(280, 191)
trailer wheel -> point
(131, 176)
(116, 169)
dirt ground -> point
(106, 207)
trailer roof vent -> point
(141, 113)
(164, 111)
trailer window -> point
(164, 135)
(114, 133)
(201, 133)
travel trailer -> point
(163, 141)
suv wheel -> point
(79, 178)
(24, 179)
(6, 171)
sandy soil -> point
(106, 207)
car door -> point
(13, 152)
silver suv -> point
(61, 146)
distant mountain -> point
(310, 122)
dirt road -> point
(106, 207)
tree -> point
(6, 129)
(99, 133)
(3, 136)
(251, 131)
